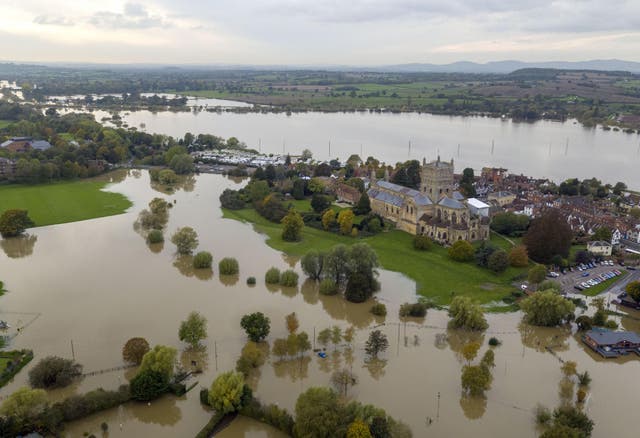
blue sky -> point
(320, 32)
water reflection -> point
(185, 182)
(331, 363)
(539, 338)
(155, 248)
(229, 280)
(457, 339)
(376, 368)
(163, 411)
(195, 360)
(294, 369)
(184, 263)
(473, 407)
(17, 247)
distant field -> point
(436, 275)
(63, 202)
(5, 123)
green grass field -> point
(436, 275)
(63, 202)
(5, 123)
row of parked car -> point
(597, 279)
(591, 265)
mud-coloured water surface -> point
(82, 289)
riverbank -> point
(437, 277)
(63, 202)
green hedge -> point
(210, 427)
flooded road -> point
(84, 288)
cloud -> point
(134, 16)
(53, 21)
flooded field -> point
(84, 288)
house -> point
(612, 344)
(600, 248)
(616, 235)
(478, 207)
(7, 167)
(501, 198)
(25, 144)
(347, 193)
(633, 234)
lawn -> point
(5, 123)
(58, 203)
(599, 288)
(436, 276)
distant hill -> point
(511, 66)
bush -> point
(14, 222)
(204, 397)
(422, 243)
(228, 266)
(320, 203)
(494, 342)
(611, 324)
(54, 372)
(328, 287)
(272, 276)
(185, 239)
(270, 414)
(461, 251)
(231, 200)
(289, 278)
(498, 261)
(202, 260)
(416, 310)
(155, 236)
(251, 281)
(79, 406)
(584, 322)
(379, 309)
(134, 350)
(148, 385)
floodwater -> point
(555, 150)
(82, 289)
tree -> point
(336, 263)
(167, 177)
(226, 392)
(358, 429)
(302, 343)
(482, 254)
(328, 287)
(228, 266)
(155, 236)
(328, 219)
(498, 261)
(510, 224)
(320, 203)
(377, 343)
(336, 336)
(289, 278)
(182, 164)
(280, 347)
(518, 256)
(318, 413)
(292, 225)
(408, 174)
(292, 322)
(134, 350)
(202, 260)
(185, 239)
(161, 359)
(258, 190)
(256, 325)
(14, 222)
(546, 308)
(470, 351)
(193, 329)
(349, 334)
(54, 372)
(461, 251)
(379, 427)
(466, 183)
(25, 404)
(306, 154)
(633, 289)
(174, 151)
(602, 233)
(537, 274)
(312, 264)
(345, 221)
(272, 276)
(548, 235)
(475, 379)
(619, 188)
(361, 272)
(572, 418)
(363, 206)
(324, 337)
(422, 242)
(148, 385)
(231, 199)
(467, 315)
(570, 368)
(299, 186)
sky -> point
(317, 32)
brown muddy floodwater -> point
(96, 283)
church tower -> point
(436, 179)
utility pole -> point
(215, 352)
(73, 353)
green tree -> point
(633, 289)
(155, 236)
(202, 260)
(148, 385)
(289, 278)
(328, 219)
(470, 351)
(363, 206)
(498, 261)
(336, 263)
(546, 308)
(54, 372)
(134, 350)
(312, 264)
(376, 344)
(461, 251)
(358, 429)
(258, 190)
(548, 235)
(510, 224)
(272, 276)
(467, 315)
(345, 221)
(25, 404)
(320, 203)
(318, 413)
(537, 274)
(228, 266)
(193, 329)
(324, 337)
(466, 183)
(231, 199)
(226, 392)
(167, 177)
(602, 233)
(161, 359)
(518, 256)
(174, 151)
(185, 239)
(475, 379)
(256, 325)
(292, 225)
(251, 358)
(14, 222)
(182, 164)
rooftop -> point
(477, 203)
(419, 198)
(607, 337)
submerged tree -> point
(193, 329)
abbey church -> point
(437, 210)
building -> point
(347, 193)
(7, 167)
(501, 198)
(612, 344)
(600, 248)
(616, 235)
(436, 210)
(25, 144)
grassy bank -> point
(62, 202)
(436, 275)
(599, 288)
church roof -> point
(457, 196)
(385, 197)
(418, 198)
(450, 203)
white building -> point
(478, 207)
(600, 248)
